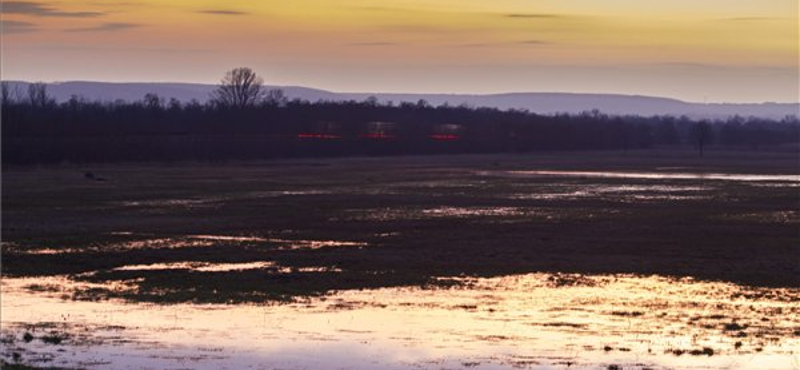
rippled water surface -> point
(664, 175)
(534, 321)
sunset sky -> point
(709, 50)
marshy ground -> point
(577, 225)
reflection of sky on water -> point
(664, 175)
(537, 321)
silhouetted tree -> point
(152, 101)
(37, 95)
(240, 88)
(701, 131)
(174, 104)
(276, 98)
(371, 101)
(5, 94)
(80, 130)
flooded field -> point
(532, 321)
(597, 261)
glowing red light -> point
(318, 136)
(444, 137)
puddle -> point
(316, 244)
(153, 243)
(189, 241)
(229, 238)
(490, 214)
(224, 267)
(617, 193)
(157, 205)
(534, 321)
(199, 266)
(778, 217)
(660, 175)
(389, 214)
(282, 193)
(458, 212)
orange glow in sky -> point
(715, 50)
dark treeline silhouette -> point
(37, 130)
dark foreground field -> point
(234, 232)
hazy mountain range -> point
(544, 103)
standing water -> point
(534, 321)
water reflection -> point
(198, 266)
(142, 242)
(664, 175)
(535, 321)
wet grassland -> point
(286, 229)
(668, 253)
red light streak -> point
(318, 136)
(444, 137)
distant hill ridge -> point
(543, 103)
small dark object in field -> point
(53, 338)
(614, 367)
(567, 280)
(16, 356)
(608, 348)
(27, 337)
(705, 351)
(627, 313)
(733, 327)
(677, 352)
(737, 345)
(92, 176)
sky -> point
(694, 50)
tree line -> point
(242, 121)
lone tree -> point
(240, 88)
(702, 135)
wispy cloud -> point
(222, 12)
(42, 10)
(426, 29)
(10, 27)
(107, 49)
(532, 16)
(533, 42)
(375, 43)
(512, 43)
(753, 19)
(106, 27)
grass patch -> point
(56, 224)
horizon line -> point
(483, 94)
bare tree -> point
(5, 94)
(152, 101)
(702, 135)
(276, 97)
(240, 88)
(37, 95)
